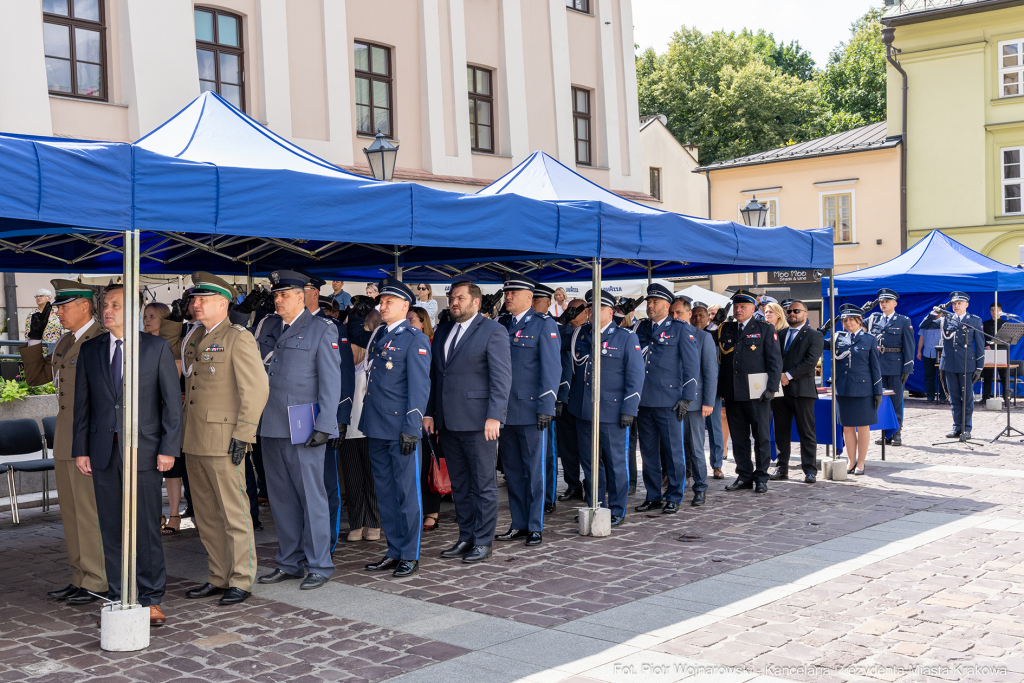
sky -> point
(818, 25)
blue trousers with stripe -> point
(524, 454)
(396, 478)
(333, 486)
(550, 465)
(613, 478)
(658, 428)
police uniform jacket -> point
(858, 369)
(565, 333)
(226, 388)
(708, 371)
(622, 373)
(954, 338)
(59, 368)
(895, 342)
(398, 379)
(304, 369)
(348, 370)
(671, 362)
(744, 352)
(536, 366)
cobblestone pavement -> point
(913, 572)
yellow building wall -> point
(957, 124)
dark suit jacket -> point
(99, 409)
(473, 386)
(800, 361)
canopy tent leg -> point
(832, 358)
(650, 274)
(594, 512)
(398, 265)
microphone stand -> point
(1011, 334)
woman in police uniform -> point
(858, 385)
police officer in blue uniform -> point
(542, 295)
(700, 410)
(397, 388)
(303, 370)
(748, 347)
(895, 336)
(857, 386)
(962, 341)
(525, 438)
(622, 380)
(671, 354)
(574, 316)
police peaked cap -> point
(765, 299)
(699, 304)
(851, 311)
(744, 297)
(543, 291)
(282, 280)
(959, 296)
(205, 284)
(657, 290)
(314, 280)
(66, 291)
(886, 293)
(391, 286)
(606, 298)
(518, 283)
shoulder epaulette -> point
(240, 328)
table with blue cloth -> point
(823, 416)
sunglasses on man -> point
(793, 311)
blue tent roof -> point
(936, 264)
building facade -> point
(668, 170)
(964, 65)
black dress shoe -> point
(955, 434)
(457, 550)
(649, 505)
(897, 439)
(479, 553)
(571, 494)
(512, 535)
(810, 479)
(739, 484)
(405, 568)
(233, 596)
(277, 576)
(779, 475)
(257, 525)
(385, 565)
(632, 489)
(549, 508)
(84, 597)
(878, 442)
(761, 487)
(670, 509)
(312, 581)
(204, 591)
(534, 538)
(698, 499)
(617, 520)
(64, 593)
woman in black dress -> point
(858, 385)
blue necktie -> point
(789, 340)
(116, 366)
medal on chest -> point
(389, 365)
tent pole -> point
(595, 365)
(398, 267)
(130, 444)
(832, 357)
(650, 270)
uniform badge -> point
(334, 345)
(73, 360)
(213, 370)
(389, 365)
(527, 318)
(604, 351)
(753, 347)
(423, 352)
(206, 356)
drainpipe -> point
(888, 34)
(711, 278)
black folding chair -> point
(21, 437)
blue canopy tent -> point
(924, 276)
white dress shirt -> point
(461, 334)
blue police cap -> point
(699, 304)
(515, 283)
(851, 311)
(390, 286)
(765, 299)
(959, 296)
(744, 297)
(886, 293)
(543, 291)
(314, 280)
(656, 290)
(606, 298)
(785, 303)
(281, 280)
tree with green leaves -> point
(852, 84)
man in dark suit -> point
(470, 380)
(99, 440)
(801, 349)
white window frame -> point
(760, 200)
(853, 214)
(1017, 69)
(1004, 182)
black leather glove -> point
(626, 421)
(335, 442)
(976, 376)
(342, 315)
(249, 303)
(37, 322)
(443, 317)
(767, 395)
(543, 422)
(682, 406)
(559, 406)
(179, 307)
(722, 314)
(629, 305)
(569, 314)
(267, 302)
(317, 438)
(488, 302)
(904, 376)
(361, 305)
(407, 444)
(237, 450)
(878, 401)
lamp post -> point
(381, 156)
(754, 214)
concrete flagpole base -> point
(595, 521)
(124, 630)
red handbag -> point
(438, 477)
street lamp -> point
(381, 156)
(754, 213)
